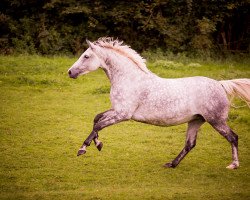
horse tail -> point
(238, 88)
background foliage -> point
(61, 27)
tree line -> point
(61, 26)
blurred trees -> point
(61, 26)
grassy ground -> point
(45, 116)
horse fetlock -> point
(98, 144)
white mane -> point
(125, 50)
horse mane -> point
(125, 50)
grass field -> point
(45, 116)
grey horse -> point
(140, 95)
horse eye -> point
(86, 56)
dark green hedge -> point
(61, 26)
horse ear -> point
(91, 45)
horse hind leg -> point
(193, 127)
(232, 138)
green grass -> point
(45, 116)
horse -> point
(138, 94)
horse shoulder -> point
(124, 99)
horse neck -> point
(120, 69)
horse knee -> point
(97, 118)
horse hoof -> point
(99, 146)
(233, 166)
(81, 152)
(169, 165)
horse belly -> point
(170, 116)
(163, 121)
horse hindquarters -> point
(213, 108)
(215, 112)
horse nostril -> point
(69, 72)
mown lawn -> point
(45, 116)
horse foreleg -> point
(98, 143)
(101, 121)
(87, 142)
(193, 127)
(92, 136)
(98, 118)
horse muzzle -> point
(72, 74)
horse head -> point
(87, 62)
